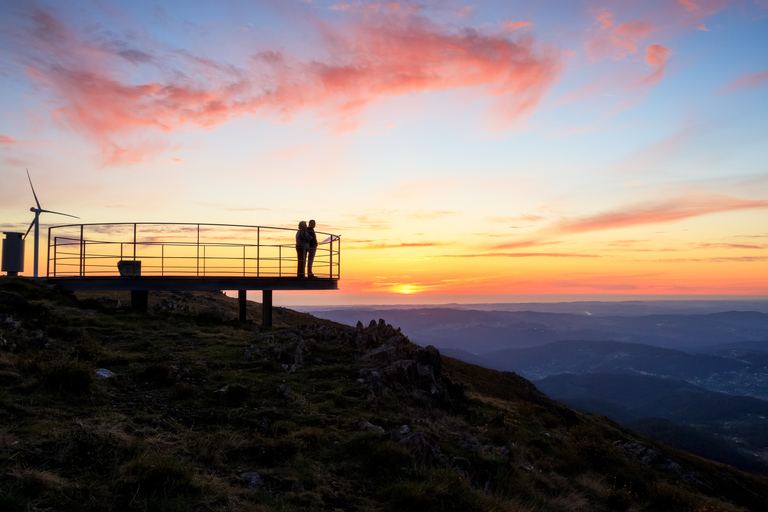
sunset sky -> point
(491, 147)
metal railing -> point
(184, 250)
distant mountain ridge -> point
(485, 331)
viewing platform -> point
(139, 257)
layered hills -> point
(184, 408)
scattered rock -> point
(253, 480)
(284, 392)
(103, 373)
(363, 424)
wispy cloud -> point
(523, 255)
(660, 212)
(7, 140)
(524, 243)
(751, 81)
(402, 245)
(376, 52)
(718, 259)
(731, 246)
(514, 25)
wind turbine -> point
(36, 221)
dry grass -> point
(187, 414)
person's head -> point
(312, 223)
(303, 225)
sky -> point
(557, 147)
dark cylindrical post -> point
(134, 242)
(241, 295)
(266, 309)
(258, 250)
(139, 300)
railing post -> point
(330, 263)
(162, 260)
(197, 272)
(134, 242)
(258, 250)
(279, 261)
(48, 260)
(203, 260)
(55, 241)
(82, 253)
(243, 260)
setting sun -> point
(508, 148)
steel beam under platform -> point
(140, 286)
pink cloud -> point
(703, 28)
(614, 41)
(700, 9)
(656, 55)
(382, 51)
(689, 5)
(514, 25)
(7, 140)
(523, 255)
(658, 213)
(752, 81)
(604, 18)
(465, 11)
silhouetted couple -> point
(306, 247)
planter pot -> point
(129, 268)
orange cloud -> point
(514, 25)
(402, 245)
(610, 39)
(689, 5)
(605, 19)
(656, 55)
(7, 140)
(658, 213)
(524, 255)
(376, 53)
(752, 81)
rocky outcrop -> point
(395, 365)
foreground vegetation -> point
(185, 409)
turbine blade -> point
(59, 213)
(30, 227)
(33, 189)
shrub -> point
(159, 474)
(66, 376)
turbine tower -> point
(36, 221)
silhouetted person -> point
(302, 244)
(312, 247)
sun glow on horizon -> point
(507, 150)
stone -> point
(363, 424)
(253, 480)
(103, 373)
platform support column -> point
(241, 299)
(139, 300)
(266, 309)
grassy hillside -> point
(202, 413)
